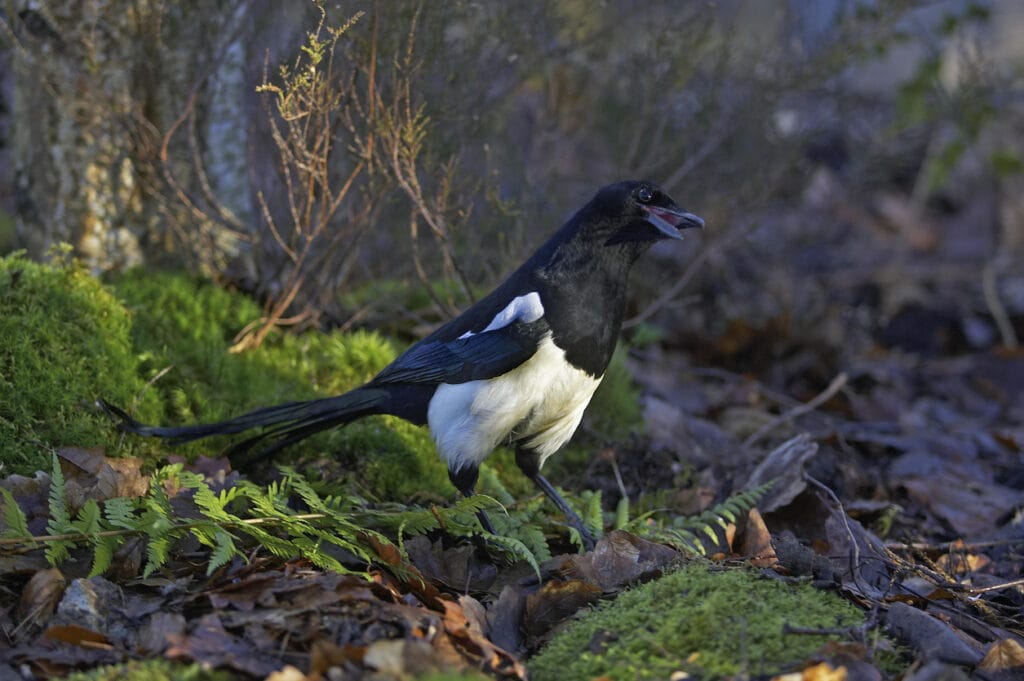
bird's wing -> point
(469, 358)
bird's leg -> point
(529, 463)
(464, 480)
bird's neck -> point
(584, 297)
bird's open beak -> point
(669, 222)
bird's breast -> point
(538, 405)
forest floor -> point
(891, 427)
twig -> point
(854, 546)
(824, 396)
(975, 590)
(990, 288)
(950, 546)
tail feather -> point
(284, 424)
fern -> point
(15, 522)
(514, 550)
(120, 513)
(334, 526)
(60, 521)
(695, 534)
(224, 550)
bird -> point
(518, 367)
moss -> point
(397, 460)
(709, 624)
(454, 676)
(64, 340)
(189, 323)
(150, 670)
(615, 411)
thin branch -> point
(824, 396)
(990, 288)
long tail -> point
(282, 425)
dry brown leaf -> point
(1004, 654)
(960, 564)
(555, 602)
(156, 633)
(819, 672)
(755, 541)
(287, 673)
(89, 474)
(210, 644)
(326, 654)
(401, 658)
(77, 636)
(41, 596)
(619, 559)
(824, 672)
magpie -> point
(518, 367)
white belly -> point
(539, 404)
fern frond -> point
(157, 551)
(60, 520)
(695, 534)
(15, 521)
(120, 512)
(223, 550)
(514, 548)
(103, 554)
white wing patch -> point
(539, 403)
(526, 308)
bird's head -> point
(627, 217)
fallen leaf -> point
(40, 597)
(286, 673)
(961, 563)
(77, 636)
(619, 559)
(555, 602)
(784, 468)
(208, 643)
(824, 672)
(755, 541)
(1003, 654)
(159, 629)
(401, 658)
(326, 654)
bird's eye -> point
(644, 195)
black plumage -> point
(518, 367)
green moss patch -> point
(188, 324)
(151, 670)
(706, 623)
(64, 341)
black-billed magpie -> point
(518, 367)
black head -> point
(634, 212)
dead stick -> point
(835, 386)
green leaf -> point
(622, 513)
(103, 554)
(15, 522)
(60, 521)
(224, 550)
(87, 521)
(120, 513)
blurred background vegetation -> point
(381, 164)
